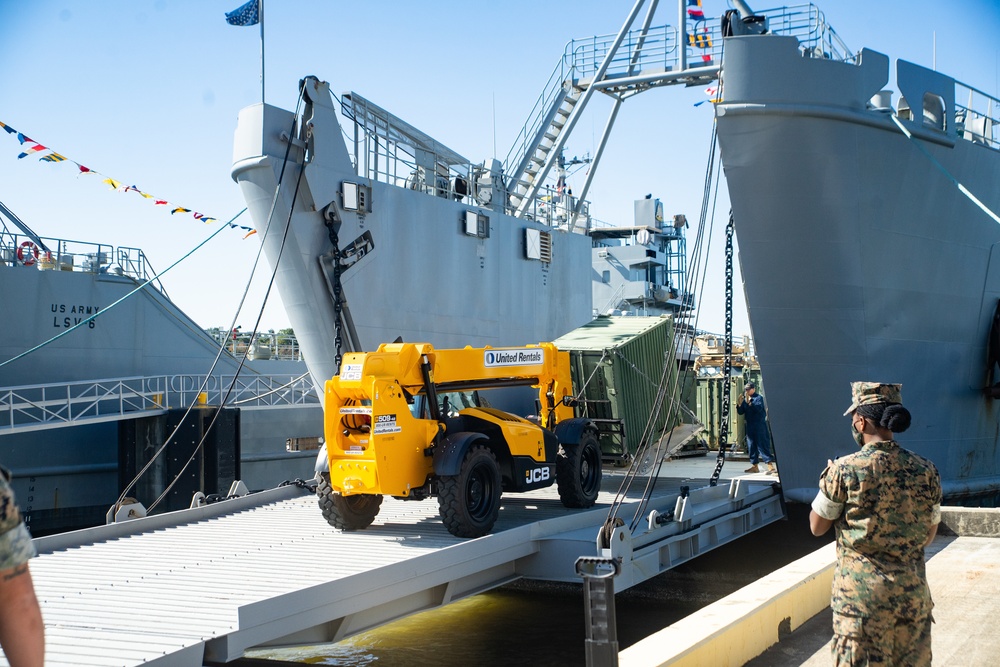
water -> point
(543, 624)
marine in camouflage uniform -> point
(16, 546)
(884, 503)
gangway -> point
(208, 584)
(60, 404)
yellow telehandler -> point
(408, 421)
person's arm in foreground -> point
(22, 632)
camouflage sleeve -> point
(829, 502)
(16, 546)
(934, 484)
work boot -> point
(752, 468)
(771, 469)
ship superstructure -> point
(393, 234)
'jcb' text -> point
(536, 475)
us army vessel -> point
(126, 356)
(851, 270)
(869, 251)
(393, 234)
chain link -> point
(338, 293)
(727, 364)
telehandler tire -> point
(470, 501)
(578, 471)
(346, 512)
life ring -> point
(32, 253)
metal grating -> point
(210, 583)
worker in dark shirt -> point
(751, 405)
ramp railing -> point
(45, 406)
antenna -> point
(494, 123)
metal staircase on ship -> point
(623, 65)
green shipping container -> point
(709, 407)
(617, 364)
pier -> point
(784, 619)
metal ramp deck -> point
(209, 583)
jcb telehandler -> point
(406, 421)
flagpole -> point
(260, 11)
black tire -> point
(470, 500)
(578, 471)
(346, 512)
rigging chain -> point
(332, 223)
(727, 364)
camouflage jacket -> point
(888, 499)
(16, 546)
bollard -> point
(599, 602)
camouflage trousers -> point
(878, 642)
(16, 546)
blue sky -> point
(147, 92)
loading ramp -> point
(207, 584)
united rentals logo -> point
(523, 357)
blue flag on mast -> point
(245, 15)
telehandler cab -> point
(405, 421)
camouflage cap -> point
(870, 393)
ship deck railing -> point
(389, 150)
(659, 52)
(19, 250)
(263, 345)
(45, 406)
(977, 117)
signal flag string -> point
(30, 147)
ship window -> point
(349, 192)
(934, 111)
(606, 277)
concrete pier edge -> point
(741, 626)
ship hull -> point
(67, 474)
(861, 260)
(421, 276)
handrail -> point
(35, 406)
(582, 57)
(976, 118)
(77, 256)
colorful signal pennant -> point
(53, 157)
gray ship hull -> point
(67, 475)
(861, 259)
(422, 277)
